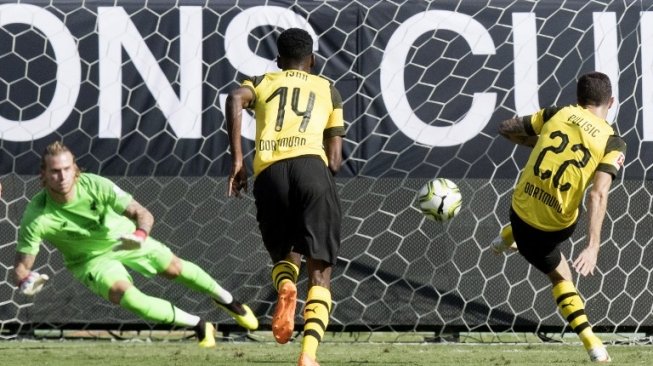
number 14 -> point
(282, 92)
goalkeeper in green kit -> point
(100, 230)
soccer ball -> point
(439, 199)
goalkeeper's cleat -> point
(243, 315)
(599, 354)
(283, 320)
(306, 360)
(205, 333)
(504, 242)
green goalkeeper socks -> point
(195, 278)
(155, 309)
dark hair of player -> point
(295, 44)
(593, 89)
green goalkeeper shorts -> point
(101, 272)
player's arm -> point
(237, 100)
(596, 209)
(29, 282)
(335, 130)
(23, 264)
(140, 215)
(515, 129)
(144, 221)
(333, 148)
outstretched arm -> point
(514, 130)
(29, 282)
(597, 206)
(22, 266)
(236, 102)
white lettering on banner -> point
(646, 26)
(606, 54)
(525, 55)
(241, 26)
(393, 88)
(117, 32)
(68, 77)
(248, 62)
(524, 37)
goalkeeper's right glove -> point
(33, 283)
(132, 241)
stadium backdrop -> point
(138, 92)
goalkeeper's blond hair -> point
(54, 149)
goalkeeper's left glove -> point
(33, 283)
(133, 240)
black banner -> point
(139, 90)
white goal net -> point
(138, 91)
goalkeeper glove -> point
(133, 240)
(33, 283)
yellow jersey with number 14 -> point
(295, 111)
(573, 143)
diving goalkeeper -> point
(101, 230)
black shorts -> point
(298, 209)
(540, 248)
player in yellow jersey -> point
(299, 129)
(573, 147)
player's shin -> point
(316, 319)
(572, 308)
(156, 310)
(195, 278)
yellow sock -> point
(284, 271)
(506, 235)
(572, 308)
(316, 319)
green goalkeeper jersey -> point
(81, 229)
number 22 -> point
(564, 142)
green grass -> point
(332, 353)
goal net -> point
(138, 92)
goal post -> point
(424, 85)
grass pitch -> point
(138, 352)
(92, 353)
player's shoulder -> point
(92, 178)
(255, 80)
(38, 201)
(35, 208)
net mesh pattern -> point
(397, 271)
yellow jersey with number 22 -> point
(573, 143)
